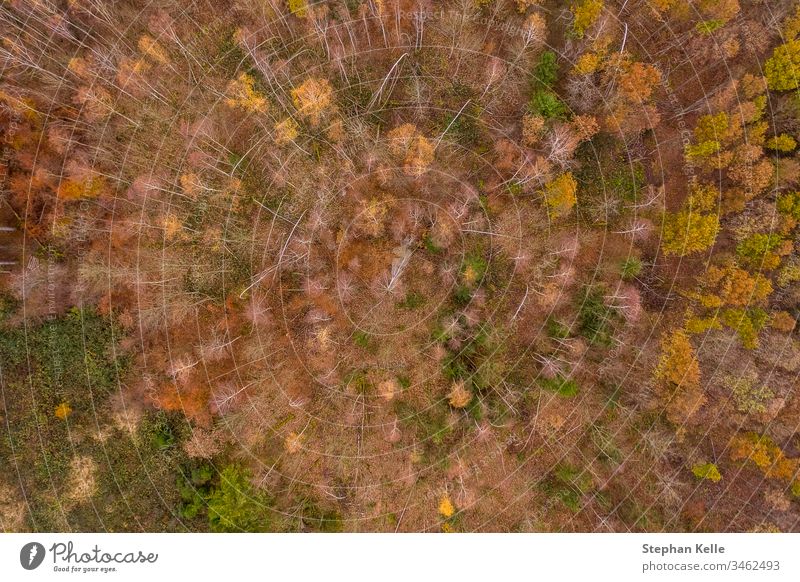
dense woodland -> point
(399, 265)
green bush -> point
(361, 339)
(159, 430)
(709, 26)
(544, 100)
(568, 484)
(235, 506)
(545, 73)
(707, 471)
(547, 104)
(596, 320)
(556, 329)
(560, 385)
(195, 489)
(789, 203)
(631, 268)
(412, 301)
(757, 250)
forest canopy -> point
(400, 265)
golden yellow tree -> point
(679, 369)
(678, 364)
(731, 286)
(242, 93)
(313, 100)
(560, 195)
(408, 144)
(459, 396)
(762, 451)
(585, 14)
(687, 232)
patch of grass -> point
(609, 184)
(626, 180)
(8, 306)
(473, 269)
(708, 27)
(431, 425)
(562, 386)
(514, 188)
(315, 518)
(65, 359)
(431, 246)
(556, 329)
(412, 301)
(462, 295)
(631, 268)
(358, 381)
(568, 485)
(463, 364)
(362, 339)
(466, 128)
(603, 439)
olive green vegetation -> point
(544, 100)
(235, 506)
(596, 320)
(131, 484)
(609, 183)
(567, 484)
(560, 385)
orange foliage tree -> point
(679, 369)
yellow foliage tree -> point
(678, 364)
(299, 8)
(416, 151)
(242, 94)
(736, 297)
(588, 63)
(63, 410)
(762, 451)
(75, 188)
(313, 99)
(638, 81)
(694, 228)
(150, 47)
(791, 27)
(731, 286)
(459, 396)
(560, 195)
(781, 143)
(783, 67)
(680, 370)
(532, 128)
(688, 231)
(585, 14)
(286, 131)
(446, 508)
